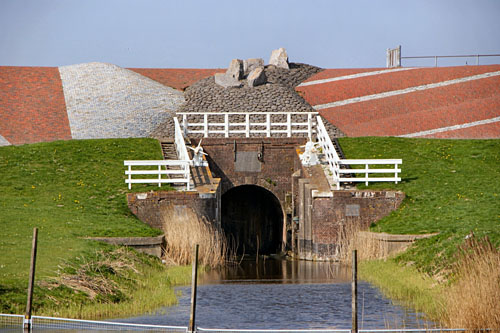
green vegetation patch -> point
(406, 285)
(69, 190)
(452, 187)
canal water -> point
(281, 294)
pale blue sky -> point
(208, 34)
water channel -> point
(280, 294)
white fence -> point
(182, 169)
(180, 145)
(248, 123)
(334, 163)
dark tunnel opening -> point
(252, 216)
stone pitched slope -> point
(106, 101)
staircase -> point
(170, 153)
(168, 150)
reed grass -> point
(367, 245)
(183, 229)
(473, 300)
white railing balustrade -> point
(180, 144)
(182, 169)
(334, 163)
(367, 171)
(328, 149)
(208, 123)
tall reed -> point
(183, 229)
(367, 245)
(473, 300)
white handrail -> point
(184, 171)
(328, 150)
(334, 162)
(292, 124)
(180, 144)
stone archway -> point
(252, 216)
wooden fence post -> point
(27, 316)
(354, 290)
(194, 286)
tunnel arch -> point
(252, 216)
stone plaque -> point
(247, 161)
(352, 210)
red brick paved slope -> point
(178, 78)
(413, 112)
(486, 131)
(32, 106)
(363, 86)
(337, 72)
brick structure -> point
(323, 213)
(151, 207)
(236, 162)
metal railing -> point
(183, 170)
(11, 322)
(334, 163)
(435, 57)
(248, 123)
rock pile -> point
(250, 87)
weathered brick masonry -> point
(323, 213)
(274, 172)
(151, 207)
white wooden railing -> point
(367, 170)
(176, 171)
(251, 125)
(162, 169)
(180, 144)
(334, 163)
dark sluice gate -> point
(252, 217)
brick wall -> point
(149, 207)
(279, 161)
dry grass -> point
(473, 301)
(92, 274)
(183, 229)
(368, 247)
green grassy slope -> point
(69, 190)
(452, 187)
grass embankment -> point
(452, 187)
(69, 190)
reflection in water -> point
(278, 271)
(283, 295)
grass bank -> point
(451, 188)
(70, 190)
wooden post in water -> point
(194, 284)
(354, 289)
(27, 316)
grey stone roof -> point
(107, 101)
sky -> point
(208, 34)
